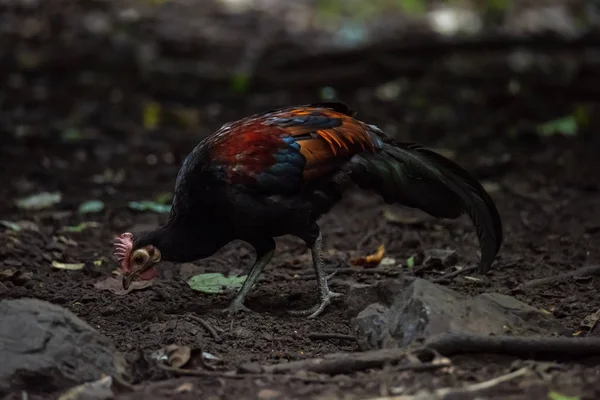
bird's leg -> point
(325, 294)
(263, 256)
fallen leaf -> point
(178, 356)
(7, 273)
(11, 225)
(97, 263)
(71, 267)
(39, 201)
(215, 282)
(402, 218)
(388, 261)
(100, 389)
(559, 396)
(491, 187)
(566, 126)
(185, 388)
(92, 206)
(149, 206)
(410, 262)
(151, 115)
(590, 321)
(372, 260)
(115, 285)
(268, 394)
(20, 226)
(81, 227)
(164, 198)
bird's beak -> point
(127, 279)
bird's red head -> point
(135, 262)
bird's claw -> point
(315, 311)
(235, 308)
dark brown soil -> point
(548, 195)
(544, 236)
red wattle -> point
(148, 274)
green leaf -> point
(413, 6)
(81, 227)
(11, 225)
(149, 206)
(327, 93)
(39, 201)
(559, 396)
(92, 206)
(97, 263)
(410, 262)
(71, 135)
(240, 83)
(564, 126)
(164, 197)
(151, 115)
(215, 282)
(71, 267)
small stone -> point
(250, 368)
(44, 342)
(268, 394)
(412, 308)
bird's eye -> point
(140, 257)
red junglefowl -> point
(276, 173)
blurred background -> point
(108, 88)
(121, 71)
(100, 101)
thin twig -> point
(235, 375)
(454, 274)
(206, 326)
(445, 393)
(584, 271)
(350, 270)
(327, 336)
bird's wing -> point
(280, 151)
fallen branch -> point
(206, 326)
(443, 393)
(236, 375)
(327, 336)
(341, 363)
(446, 345)
(527, 347)
(584, 271)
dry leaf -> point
(8, 273)
(590, 321)
(402, 218)
(178, 356)
(185, 388)
(71, 267)
(372, 260)
(115, 285)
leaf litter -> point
(214, 282)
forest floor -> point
(546, 190)
(550, 210)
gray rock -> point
(44, 347)
(395, 313)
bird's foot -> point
(236, 307)
(315, 311)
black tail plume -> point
(414, 176)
